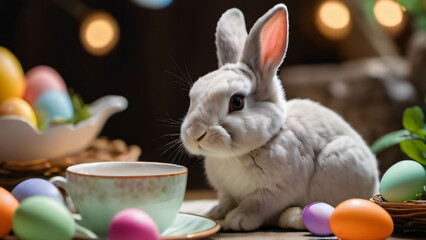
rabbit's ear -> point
(231, 34)
(266, 43)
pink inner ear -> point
(273, 39)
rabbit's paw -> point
(292, 218)
(219, 211)
(238, 220)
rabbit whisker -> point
(188, 81)
(170, 122)
(182, 154)
(183, 83)
(170, 145)
(179, 153)
(189, 75)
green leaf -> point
(420, 21)
(413, 120)
(81, 110)
(415, 149)
(391, 139)
(414, 6)
(368, 7)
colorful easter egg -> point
(37, 187)
(360, 219)
(133, 224)
(8, 205)
(40, 217)
(403, 181)
(12, 80)
(53, 106)
(316, 217)
(153, 4)
(40, 79)
(18, 107)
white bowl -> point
(22, 141)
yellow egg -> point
(12, 78)
(18, 106)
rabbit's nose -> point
(196, 131)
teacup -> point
(100, 190)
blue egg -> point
(37, 187)
(53, 106)
(153, 4)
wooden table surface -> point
(200, 201)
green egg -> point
(42, 218)
(403, 181)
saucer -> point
(191, 226)
(185, 226)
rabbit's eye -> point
(236, 103)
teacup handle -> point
(59, 181)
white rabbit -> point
(268, 158)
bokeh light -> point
(388, 13)
(99, 33)
(333, 19)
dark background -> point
(155, 49)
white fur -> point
(273, 154)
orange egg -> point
(8, 205)
(360, 219)
(18, 107)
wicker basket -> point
(101, 150)
(408, 217)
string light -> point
(99, 33)
(333, 19)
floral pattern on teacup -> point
(144, 189)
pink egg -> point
(133, 224)
(40, 79)
(316, 217)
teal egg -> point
(53, 106)
(153, 4)
(403, 181)
(42, 218)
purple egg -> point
(37, 187)
(316, 217)
(133, 224)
